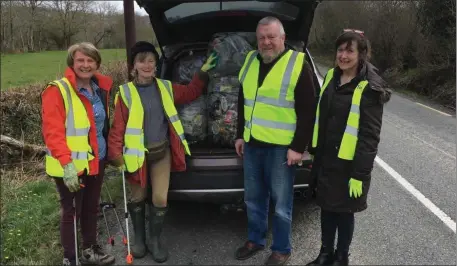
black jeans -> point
(330, 222)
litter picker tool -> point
(129, 258)
(104, 206)
(113, 206)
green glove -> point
(355, 188)
(210, 62)
(70, 177)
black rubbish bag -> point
(186, 68)
(232, 49)
(194, 120)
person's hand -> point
(210, 62)
(70, 177)
(355, 188)
(239, 147)
(294, 157)
(119, 163)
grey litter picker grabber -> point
(111, 205)
(103, 206)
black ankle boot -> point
(155, 246)
(325, 257)
(341, 259)
(137, 211)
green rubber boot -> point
(155, 246)
(137, 213)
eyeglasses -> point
(356, 31)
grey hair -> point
(270, 20)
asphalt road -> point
(417, 148)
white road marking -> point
(443, 113)
(418, 195)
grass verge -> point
(30, 215)
(29, 219)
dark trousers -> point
(87, 201)
(333, 221)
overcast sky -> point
(120, 6)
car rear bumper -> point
(224, 185)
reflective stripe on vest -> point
(134, 149)
(77, 126)
(350, 136)
(269, 111)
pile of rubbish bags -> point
(213, 117)
(224, 86)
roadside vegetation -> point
(413, 42)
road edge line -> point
(443, 113)
(418, 195)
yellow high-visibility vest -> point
(269, 110)
(350, 136)
(77, 127)
(134, 149)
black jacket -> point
(332, 174)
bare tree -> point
(32, 23)
(67, 21)
(103, 26)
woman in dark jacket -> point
(345, 142)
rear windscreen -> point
(185, 10)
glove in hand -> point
(210, 62)
(70, 177)
(355, 188)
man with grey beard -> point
(276, 108)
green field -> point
(27, 68)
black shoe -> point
(341, 259)
(137, 211)
(154, 244)
(325, 257)
(248, 250)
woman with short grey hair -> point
(75, 123)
